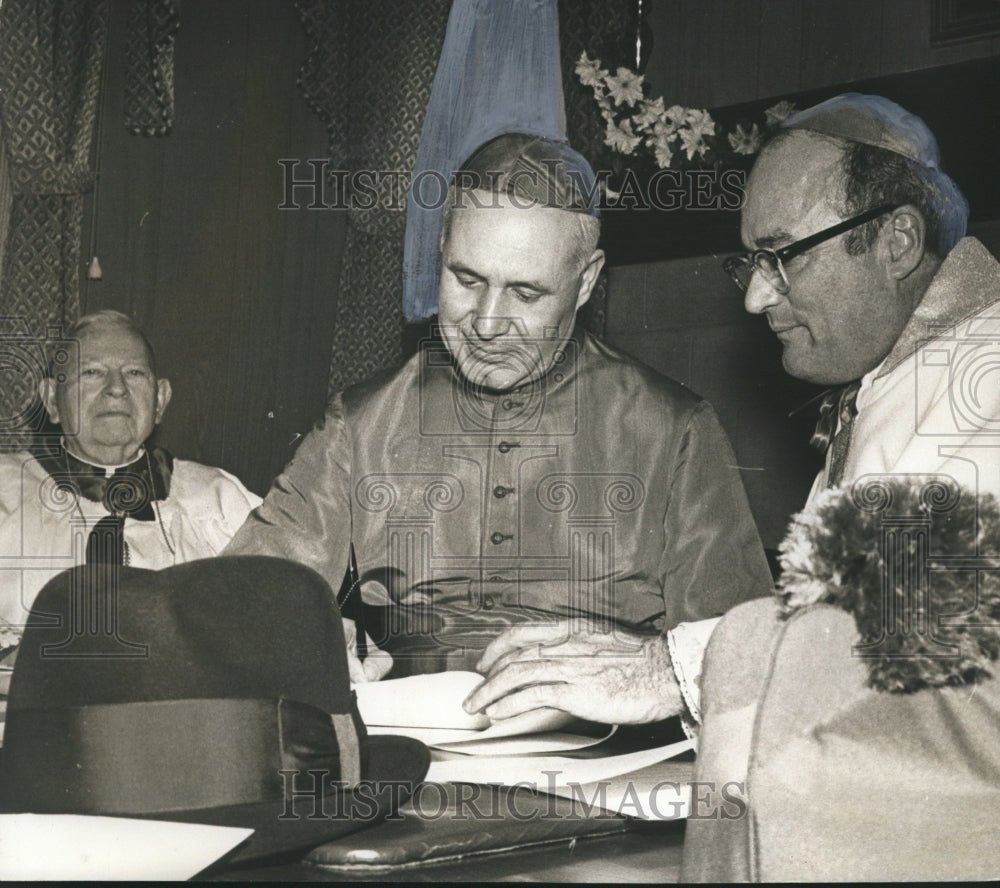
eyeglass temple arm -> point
(807, 243)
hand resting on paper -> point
(375, 666)
(610, 677)
(428, 708)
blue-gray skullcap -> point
(871, 120)
(536, 171)
(877, 121)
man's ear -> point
(47, 393)
(589, 277)
(905, 241)
(163, 395)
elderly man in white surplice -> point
(100, 493)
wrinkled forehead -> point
(490, 218)
(795, 185)
(114, 343)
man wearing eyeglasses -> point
(856, 256)
(858, 259)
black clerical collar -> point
(99, 468)
(127, 490)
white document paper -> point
(546, 772)
(48, 847)
(531, 733)
(538, 741)
(428, 708)
(651, 793)
(421, 701)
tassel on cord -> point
(94, 271)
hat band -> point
(154, 757)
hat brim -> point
(395, 766)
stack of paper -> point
(534, 749)
(429, 709)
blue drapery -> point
(499, 72)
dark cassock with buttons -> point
(600, 490)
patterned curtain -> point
(368, 75)
(599, 27)
(6, 194)
(149, 66)
(51, 54)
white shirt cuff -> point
(686, 643)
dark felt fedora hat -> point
(213, 692)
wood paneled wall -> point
(238, 296)
(686, 319)
(709, 53)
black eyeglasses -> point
(770, 263)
